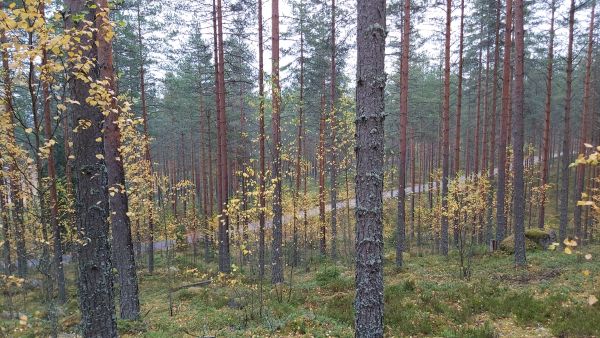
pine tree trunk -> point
(547, 112)
(459, 92)
(58, 253)
(147, 155)
(95, 280)
(493, 117)
(370, 117)
(277, 264)
(566, 146)
(321, 159)
(119, 219)
(15, 181)
(295, 258)
(401, 223)
(519, 135)
(584, 136)
(333, 165)
(262, 136)
(446, 133)
(502, 142)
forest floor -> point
(426, 298)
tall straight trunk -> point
(95, 279)
(209, 150)
(502, 142)
(15, 181)
(333, 165)
(299, 137)
(519, 136)
(459, 92)
(224, 255)
(119, 219)
(58, 259)
(321, 158)
(486, 115)
(262, 136)
(401, 223)
(547, 112)
(370, 87)
(478, 105)
(493, 117)
(277, 264)
(446, 133)
(566, 146)
(147, 154)
(203, 173)
(584, 136)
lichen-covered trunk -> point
(95, 279)
(369, 148)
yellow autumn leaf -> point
(99, 139)
(100, 156)
(29, 130)
(568, 251)
(586, 273)
(592, 300)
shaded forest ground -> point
(426, 298)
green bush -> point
(327, 274)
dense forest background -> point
(237, 168)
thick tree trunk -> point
(502, 142)
(404, 76)
(566, 146)
(277, 264)
(370, 117)
(519, 135)
(95, 280)
(124, 259)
